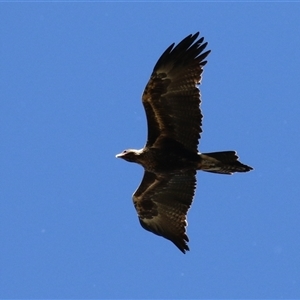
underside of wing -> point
(171, 98)
(162, 202)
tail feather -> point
(225, 162)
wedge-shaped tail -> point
(225, 162)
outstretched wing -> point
(171, 98)
(162, 202)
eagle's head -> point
(130, 155)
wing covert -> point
(162, 202)
(171, 98)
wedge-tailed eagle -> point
(170, 157)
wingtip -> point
(184, 248)
(181, 244)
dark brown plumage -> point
(170, 157)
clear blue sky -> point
(72, 75)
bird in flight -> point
(170, 157)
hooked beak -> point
(119, 155)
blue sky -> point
(72, 75)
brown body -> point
(170, 158)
